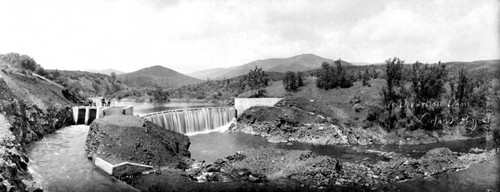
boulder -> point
(119, 138)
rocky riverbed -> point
(268, 169)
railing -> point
(92, 104)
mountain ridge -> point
(156, 75)
(106, 71)
(302, 62)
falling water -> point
(193, 120)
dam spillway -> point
(193, 120)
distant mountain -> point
(106, 71)
(156, 76)
(302, 62)
(210, 73)
(364, 63)
(480, 65)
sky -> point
(193, 35)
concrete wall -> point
(118, 110)
(242, 104)
(129, 110)
(85, 115)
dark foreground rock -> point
(482, 176)
(269, 169)
(264, 169)
(435, 162)
(14, 175)
(120, 138)
(30, 107)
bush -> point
(20, 61)
(259, 94)
(28, 63)
(40, 71)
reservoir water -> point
(59, 159)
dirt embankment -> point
(30, 108)
(289, 123)
(120, 138)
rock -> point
(477, 150)
(358, 108)
(119, 138)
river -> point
(59, 159)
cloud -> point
(193, 35)
(441, 33)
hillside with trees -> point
(79, 83)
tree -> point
(300, 79)
(159, 94)
(326, 77)
(374, 73)
(22, 61)
(366, 77)
(344, 79)
(329, 77)
(113, 78)
(390, 96)
(427, 86)
(290, 81)
(27, 63)
(255, 78)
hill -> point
(86, 84)
(31, 106)
(210, 73)
(302, 62)
(106, 71)
(156, 76)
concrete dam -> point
(186, 121)
(193, 120)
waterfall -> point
(193, 120)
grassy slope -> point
(33, 89)
(91, 84)
(336, 103)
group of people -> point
(104, 103)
